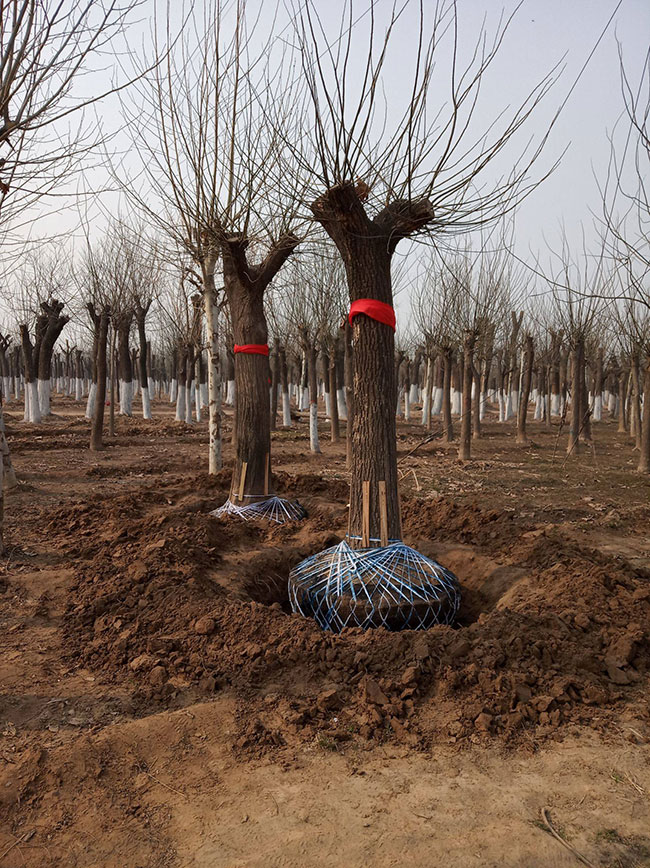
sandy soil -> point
(159, 707)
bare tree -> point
(46, 46)
(214, 184)
(379, 179)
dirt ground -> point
(160, 706)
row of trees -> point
(547, 355)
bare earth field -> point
(160, 706)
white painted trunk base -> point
(342, 404)
(197, 403)
(286, 410)
(146, 403)
(34, 412)
(44, 387)
(126, 397)
(436, 409)
(90, 403)
(314, 445)
(598, 408)
(180, 404)
(425, 410)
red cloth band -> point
(253, 349)
(374, 309)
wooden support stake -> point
(266, 473)
(242, 480)
(365, 532)
(383, 514)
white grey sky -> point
(542, 32)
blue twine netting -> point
(391, 586)
(275, 509)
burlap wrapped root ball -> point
(392, 586)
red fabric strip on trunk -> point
(253, 349)
(374, 309)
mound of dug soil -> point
(172, 598)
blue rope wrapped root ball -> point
(393, 586)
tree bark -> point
(334, 409)
(312, 385)
(140, 317)
(644, 456)
(366, 247)
(97, 430)
(275, 381)
(123, 325)
(447, 421)
(348, 368)
(524, 395)
(245, 286)
(51, 324)
(577, 356)
(465, 445)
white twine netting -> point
(275, 509)
(392, 586)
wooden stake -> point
(242, 479)
(399, 512)
(383, 513)
(365, 532)
(266, 473)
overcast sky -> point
(543, 32)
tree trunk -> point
(312, 380)
(286, 398)
(97, 430)
(635, 421)
(144, 379)
(125, 364)
(181, 392)
(477, 400)
(524, 395)
(252, 425)
(598, 387)
(465, 445)
(275, 382)
(447, 422)
(367, 262)
(348, 367)
(214, 368)
(32, 407)
(644, 456)
(189, 379)
(577, 356)
(621, 402)
(334, 414)
(51, 325)
(245, 286)
(111, 413)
